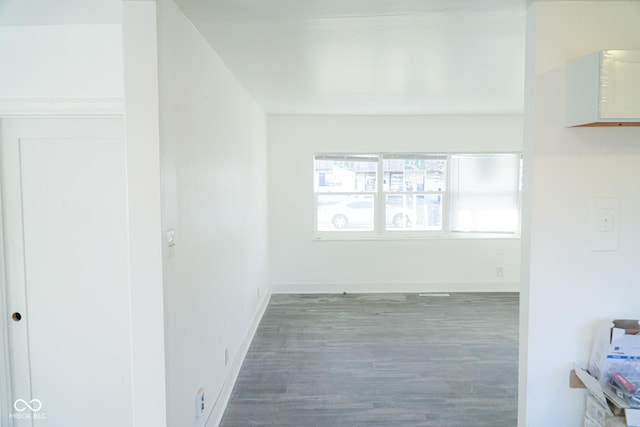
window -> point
(417, 194)
(413, 187)
(346, 187)
(485, 193)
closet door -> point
(64, 214)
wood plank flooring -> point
(381, 360)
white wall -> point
(45, 12)
(139, 34)
(567, 288)
(300, 264)
(214, 199)
(61, 61)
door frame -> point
(36, 109)
(5, 386)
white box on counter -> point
(616, 346)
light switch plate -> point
(170, 242)
(604, 223)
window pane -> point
(345, 174)
(413, 212)
(345, 212)
(414, 172)
(484, 192)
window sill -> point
(407, 236)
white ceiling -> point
(371, 56)
(347, 56)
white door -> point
(66, 314)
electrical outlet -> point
(226, 356)
(199, 402)
(499, 272)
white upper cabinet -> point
(603, 89)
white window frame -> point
(380, 232)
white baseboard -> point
(335, 288)
(215, 416)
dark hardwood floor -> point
(381, 360)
